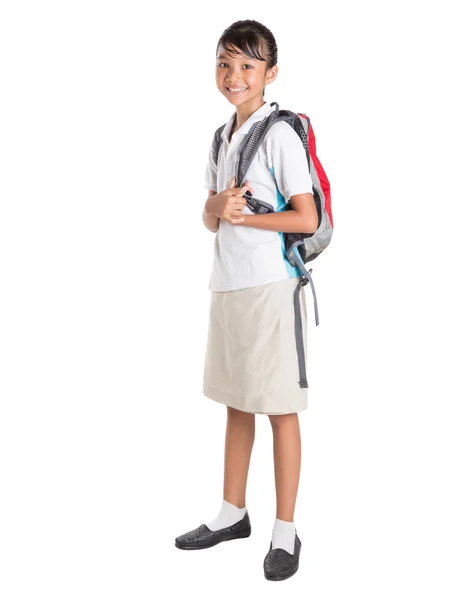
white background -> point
(108, 448)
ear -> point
(271, 74)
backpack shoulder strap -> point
(257, 132)
(254, 138)
(217, 142)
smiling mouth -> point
(236, 90)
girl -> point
(251, 363)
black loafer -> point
(203, 537)
(280, 564)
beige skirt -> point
(251, 361)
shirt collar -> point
(262, 112)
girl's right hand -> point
(229, 204)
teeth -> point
(237, 89)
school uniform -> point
(251, 360)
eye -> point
(246, 65)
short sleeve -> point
(289, 163)
(210, 179)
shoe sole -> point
(280, 577)
(233, 536)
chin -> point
(238, 99)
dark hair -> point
(252, 39)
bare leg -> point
(239, 440)
(287, 462)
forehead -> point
(223, 53)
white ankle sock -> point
(283, 535)
(229, 515)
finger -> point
(236, 190)
(235, 198)
(232, 183)
(240, 191)
(238, 199)
(244, 188)
(236, 221)
(239, 205)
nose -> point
(234, 74)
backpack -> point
(300, 247)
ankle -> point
(288, 517)
(229, 515)
(283, 535)
(241, 503)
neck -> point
(244, 111)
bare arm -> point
(211, 221)
(301, 219)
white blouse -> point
(247, 256)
